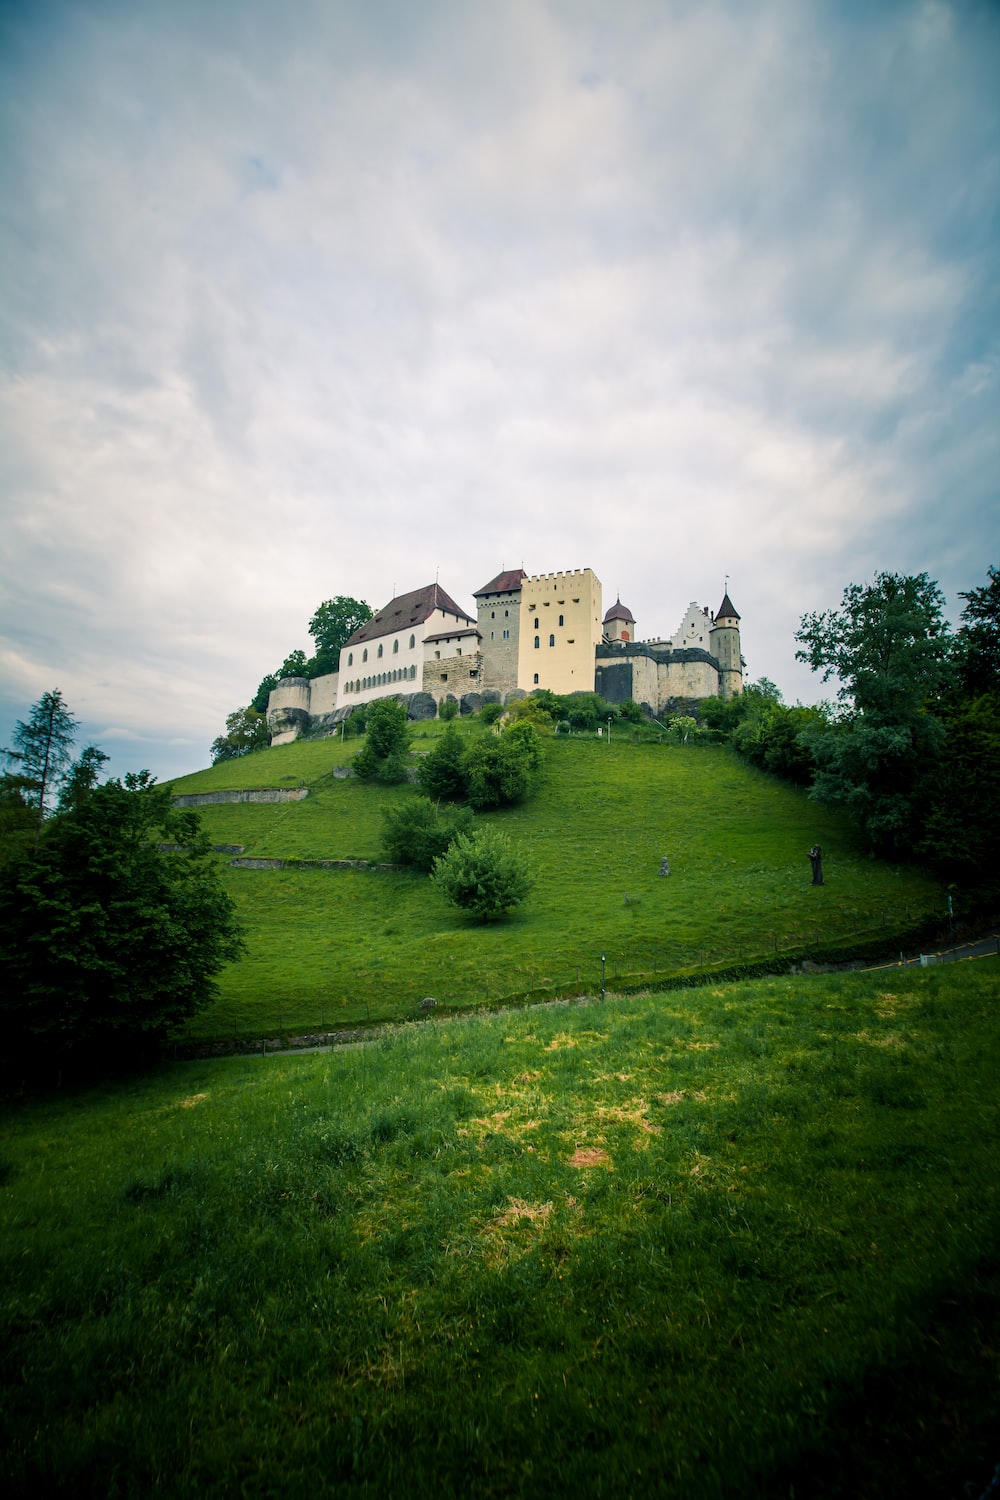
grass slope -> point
(727, 1243)
(330, 948)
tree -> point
(106, 941)
(441, 774)
(333, 623)
(504, 770)
(295, 664)
(889, 647)
(246, 731)
(43, 749)
(483, 873)
(978, 640)
(268, 683)
(414, 833)
(387, 742)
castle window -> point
(437, 656)
(537, 642)
(560, 619)
(459, 650)
(536, 679)
(506, 635)
(506, 613)
(536, 624)
(380, 650)
(491, 635)
(365, 656)
(552, 640)
(412, 641)
(350, 658)
(395, 647)
(444, 676)
(413, 671)
(493, 614)
(473, 673)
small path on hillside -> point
(985, 947)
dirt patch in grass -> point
(590, 1156)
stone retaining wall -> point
(260, 862)
(262, 794)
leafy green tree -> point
(42, 747)
(295, 664)
(106, 941)
(889, 647)
(246, 731)
(961, 829)
(334, 621)
(441, 774)
(415, 834)
(448, 710)
(483, 873)
(387, 742)
(268, 683)
(978, 640)
(504, 770)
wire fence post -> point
(602, 975)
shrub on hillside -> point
(415, 834)
(503, 771)
(441, 774)
(483, 873)
(387, 742)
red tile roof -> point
(407, 610)
(503, 583)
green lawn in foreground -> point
(729, 1242)
(337, 947)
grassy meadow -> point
(738, 1241)
(331, 948)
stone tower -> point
(619, 623)
(725, 647)
(498, 607)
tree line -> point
(910, 746)
(332, 624)
(113, 920)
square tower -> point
(560, 631)
(498, 606)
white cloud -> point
(317, 303)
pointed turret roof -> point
(726, 609)
(619, 611)
(503, 583)
(407, 610)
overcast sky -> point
(307, 299)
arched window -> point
(380, 650)
(560, 619)
(536, 679)
(552, 640)
(350, 658)
(395, 647)
(413, 641)
(364, 654)
(537, 642)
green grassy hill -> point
(332, 948)
(734, 1242)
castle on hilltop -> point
(545, 631)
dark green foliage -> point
(448, 710)
(491, 712)
(889, 647)
(978, 640)
(502, 771)
(330, 627)
(246, 731)
(387, 742)
(268, 683)
(441, 774)
(105, 941)
(961, 833)
(42, 748)
(294, 665)
(771, 736)
(482, 873)
(415, 834)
